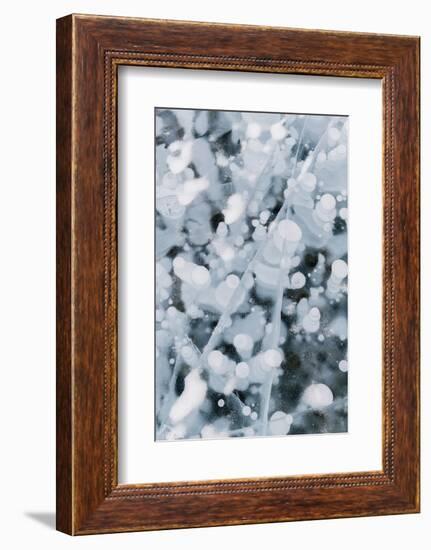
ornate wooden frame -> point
(89, 51)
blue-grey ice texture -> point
(251, 274)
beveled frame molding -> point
(89, 51)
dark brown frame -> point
(89, 51)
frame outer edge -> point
(407, 280)
(64, 300)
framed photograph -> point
(237, 274)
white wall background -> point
(27, 279)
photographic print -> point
(251, 274)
